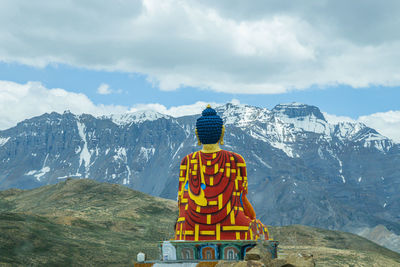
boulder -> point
(259, 253)
(300, 260)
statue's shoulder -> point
(185, 158)
(237, 157)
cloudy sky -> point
(174, 56)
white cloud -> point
(386, 123)
(21, 101)
(104, 89)
(333, 119)
(232, 46)
(177, 111)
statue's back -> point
(212, 191)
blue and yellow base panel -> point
(206, 253)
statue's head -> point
(209, 127)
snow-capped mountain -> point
(135, 117)
(301, 168)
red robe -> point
(212, 199)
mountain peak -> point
(295, 109)
(242, 115)
(136, 117)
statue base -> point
(198, 253)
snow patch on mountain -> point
(146, 153)
(3, 141)
(259, 136)
(120, 154)
(136, 117)
(340, 167)
(278, 135)
(243, 115)
(310, 124)
(320, 153)
(348, 130)
(302, 116)
(84, 152)
(38, 174)
(128, 179)
(176, 152)
(378, 141)
(42, 172)
(341, 171)
(262, 161)
(285, 148)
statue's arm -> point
(181, 201)
(247, 207)
(182, 179)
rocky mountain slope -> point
(81, 223)
(382, 236)
(301, 168)
(87, 223)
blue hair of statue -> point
(209, 126)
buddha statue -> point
(212, 193)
